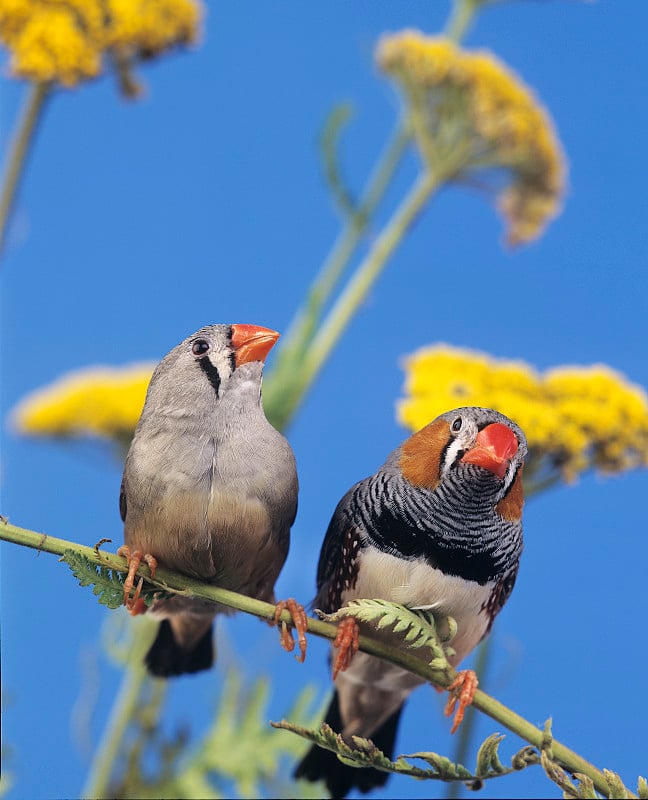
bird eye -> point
(200, 347)
(456, 425)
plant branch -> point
(180, 584)
(347, 241)
(18, 150)
(356, 290)
(463, 13)
(281, 393)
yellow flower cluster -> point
(472, 112)
(66, 40)
(574, 417)
(98, 401)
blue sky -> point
(205, 202)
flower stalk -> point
(286, 384)
(367, 273)
(18, 151)
(463, 13)
(311, 360)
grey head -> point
(199, 374)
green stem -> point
(176, 583)
(123, 709)
(462, 15)
(364, 277)
(347, 241)
(18, 150)
(279, 383)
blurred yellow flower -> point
(98, 401)
(470, 112)
(574, 417)
(66, 40)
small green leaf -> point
(558, 775)
(642, 788)
(418, 628)
(364, 753)
(107, 584)
(488, 761)
(617, 790)
(586, 788)
(329, 141)
(525, 757)
(547, 738)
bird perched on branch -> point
(439, 527)
(209, 489)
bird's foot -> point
(135, 604)
(348, 641)
(300, 621)
(462, 690)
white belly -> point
(417, 585)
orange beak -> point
(496, 444)
(252, 342)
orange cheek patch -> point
(420, 459)
(510, 507)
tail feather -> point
(166, 658)
(320, 764)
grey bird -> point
(438, 526)
(209, 488)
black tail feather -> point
(320, 764)
(166, 658)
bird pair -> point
(210, 490)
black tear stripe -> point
(211, 372)
(232, 354)
(123, 505)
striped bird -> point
(438, 527)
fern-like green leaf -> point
(418, 628)
(642, 788)
(617, 790)
(488, 757)
(586, 788)
(558, 775)
(363, 753)
(107, 584)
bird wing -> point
(337, 566)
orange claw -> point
(348, 640)
(135, 604)
(462, 689)
(300, 621)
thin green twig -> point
(346, 243)
(171, 581)
(283, 387)
(18, 150)
(463, 12)
(356, 290)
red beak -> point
(496, 444)
(252, 342)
